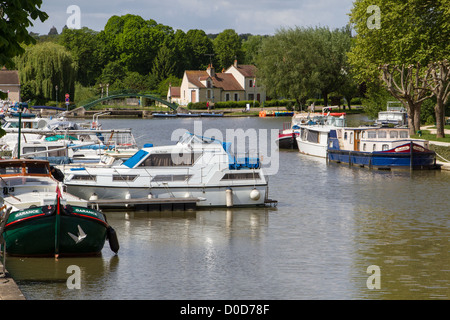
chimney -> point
(235, 62)
(211, 71)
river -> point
(332, 227)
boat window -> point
(371, 134)
(84, 178)
(404, 134)
(37, 169)
(351, 138)
(345, 136)
(385, 147)
(124, 177)
(382, 134)
(170, 160)
(241, 176)
(364, 147)
(313, 136)
(363, 134)
(172, 177)
(374, 147)
(393, 134)
(11, 169)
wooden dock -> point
(148, 204)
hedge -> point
(242, 104)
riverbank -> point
(8, 287)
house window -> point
(251, 96)
(227, 97)
(236, 97)
(250, 83)
(208, 84)
(208, 94)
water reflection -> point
(332, 222)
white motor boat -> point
(313, 135)
(195, 167)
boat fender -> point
(255, 194)
(229, 197)
(112, 239)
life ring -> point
(262, 114)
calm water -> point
(332, 222)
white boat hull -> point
(210, 196)
(312, 149)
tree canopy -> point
(15, 18)
(402, 51)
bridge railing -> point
(87, 104)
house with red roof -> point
(237, 83)
(10, 84)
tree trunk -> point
(439, 111)
(409, 106)
(325, 98)
(417, 108)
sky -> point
(257, 17)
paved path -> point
(8, 287)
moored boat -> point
(379, 147)
(312, 138)
(40, 219)
(195, 167)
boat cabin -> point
(24, 167)
(371, 139)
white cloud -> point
(251, 16)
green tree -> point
(411, 34)
(15, 18)
(163, 65)
(251, 48)
(83, 45)
(48, 69)
(331, 47)
(199, 46)
(227, 47)
(287, 64)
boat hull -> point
(37, 232)
(388, 160)
(210, 196)
(287, 141)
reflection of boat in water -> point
(195, 168)
(39, 219)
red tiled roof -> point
(194, 76)
(9, 77)
(226, 81)
(247, 70)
